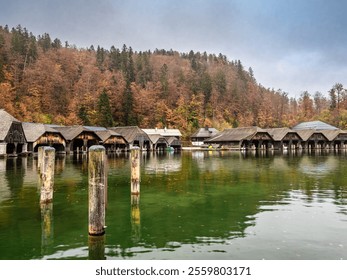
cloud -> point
(293, 45)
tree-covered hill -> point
(45, 80)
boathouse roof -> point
(106, 134)
(34, 131)
(166, 132)
(279, 133)
(305, 134)
(130, 133)
(331, 134)
(156, 137)
(204, 132)
(316, 125)
(5, 123)
(236, 134)
(71, 132)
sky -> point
(292, 45)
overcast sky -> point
(293, 45)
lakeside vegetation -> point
(45, 80)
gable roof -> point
(71, 132)
(317, 125)
(130, 133)
(5, 123)
(166, 132)
(279, 133)
(237, 134)
(331, 134)
(34, 131)
(205, 132)
(104, 135)
(305, 134)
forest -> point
(45, 80)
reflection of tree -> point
(214, 196)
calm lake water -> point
(193, 205)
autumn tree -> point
(306, 106)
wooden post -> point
(97, 189)
(135, 170)
(47, 174)
(40, 158)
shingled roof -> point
(236, 134)
(130, 133)
(316, 125)
(71, 132)
(104, 135)
(34, 131)
(279, 133)
(5, 123)
(166, 132)
(205, 132)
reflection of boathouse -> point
(12, 138)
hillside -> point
(44, 80)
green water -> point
(193, 205)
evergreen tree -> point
(56, 44)
(83, 115)
(164, 81)
(104, 110)
(45, 42)
(115, 59)
(128, 104)
(130, 67)
(206, 87)
(100, 57)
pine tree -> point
(104, 110)
(83, 115)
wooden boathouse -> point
(110, 139)
(242, 138)
(78, 138)
(12, 137)
(134, 136)
(162, 138)
(38, 134)
(202, 134)
(285, 138)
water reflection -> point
(96, 247)
(224, 205)
(47, 235)
(135, 218)
(162, 163)
(318, 166)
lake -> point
(193, 205)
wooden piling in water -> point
(97, 189)
(47, 174)
(135, 170)
(40, 155)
